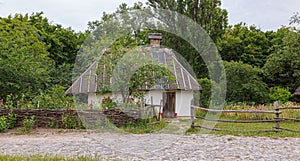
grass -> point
(144, 126)
(249, 129)
(47, 158)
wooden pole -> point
(192, 113)
(159, 112)
(152, 107)
(277, 116)
(141, 105)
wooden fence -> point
(277, 119)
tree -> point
(62, 44)
(244, 83)
(132, 71)
(206, 91)
(247, 44)
(123, 66)
(207, 13)
(24, 61)
(283, 65)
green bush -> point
(54, 98)
(9, 102)
(28, 123)
(11, 120)
(3, 124)
(280, 94)
(107, 103)
(71, 121)
(206, 92)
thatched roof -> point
(297, 92)
(87, 82)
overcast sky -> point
(266, 14)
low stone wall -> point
(43, 117)
(119, 118)
(56, 118)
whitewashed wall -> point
(182, 107)
(156, 95)
(96, 99)
(183, 101)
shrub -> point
(70, 121)
(280, 94)
(107, 103)
(9, 102)
(11, 120)
(28, 123)
(206, 91)
(3, 124)
(53, 98)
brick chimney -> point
(155, 39)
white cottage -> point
(175, 98)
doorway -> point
(169, 104)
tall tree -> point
(62, 45)
(247, 44)
(283, 65)
(24, 61)
(244, 83)
(207, 13)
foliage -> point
(280, 94)
(9, 102)
(249, 45)
(134, 71)
(107, 103)
(35, 55)
(244, 83)
(28, 123)
(207, 13)
(7, 121)
(151, 75)
(282, 66)
(11, 120)
(62, 46)
(206, 92)
(71, 121)
(53, 98)
(3, 124)
(24, 58)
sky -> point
(265, 14)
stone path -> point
(151, 146)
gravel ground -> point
(150, 146)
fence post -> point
(192, 113)
(152, 107)
(277, 116)
(1, 104)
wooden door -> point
(169, 104)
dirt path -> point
(149, 146)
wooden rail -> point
(235, 111)
(277, 111)
(236, 121)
